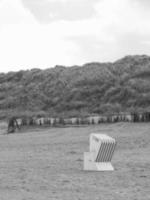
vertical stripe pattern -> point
(106, 150)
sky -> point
(45, 33)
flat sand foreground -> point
(47, 164)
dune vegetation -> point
(122, 86)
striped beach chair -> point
(101, 151)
